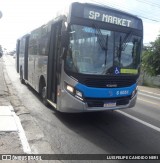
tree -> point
(151, 58)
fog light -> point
(78, 93)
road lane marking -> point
(149, 95)
(21, 133)
(139, 120)
(149, 101)
(149, 92)
(7, 121)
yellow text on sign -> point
(129, 71)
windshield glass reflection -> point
(99, 51)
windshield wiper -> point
(106, 51)
(100, 37)
(101, 40)
(123, 44)
(125, 40)
(120, 49)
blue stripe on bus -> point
(92, 92)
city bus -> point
(86, 59)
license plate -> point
(110, 104)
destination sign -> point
(112, 17)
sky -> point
(22, 16)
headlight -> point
(70, 88)
(74, 92)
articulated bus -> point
(87, 59)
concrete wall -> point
(150, 81)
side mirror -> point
(65, 39)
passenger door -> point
(53, 71)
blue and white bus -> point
(85, 60)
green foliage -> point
(151, 58)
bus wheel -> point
(44, 95)
(21, 76)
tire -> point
(43, 94)
(21, 76)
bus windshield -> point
(98, 51)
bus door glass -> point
(53, 61)
(32, 56)
(17, 55)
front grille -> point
(100, 102)
(110, 81)
(105, 81)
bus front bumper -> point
(71, 104)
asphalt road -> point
(129, 131)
